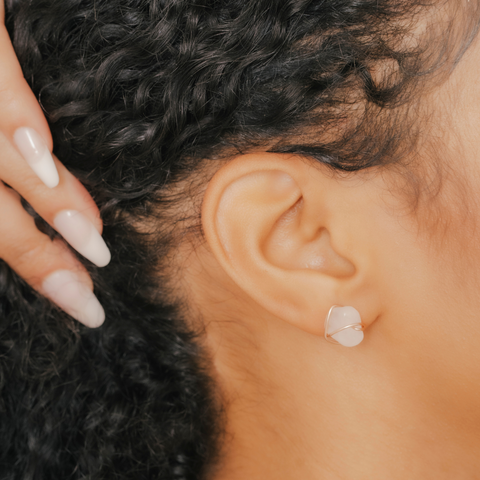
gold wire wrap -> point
(355, 326)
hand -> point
(28, 167)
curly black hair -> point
(140, 95)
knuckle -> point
(28, 262)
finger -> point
(24, 125)
(45, 264)
(18, 104)
(22, 119)
(69, 208)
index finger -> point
(20, 111)
(20, 108)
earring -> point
(343, 326)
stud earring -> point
(343, 326)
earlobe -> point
(267, 219)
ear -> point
(286, 231)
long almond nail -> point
(80, 233)
(65, 289)
(37, 155)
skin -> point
(284, 241)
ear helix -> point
(343, 326)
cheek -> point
(430, 283)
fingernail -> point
(80, 233)
(37, 155)
(65, 289)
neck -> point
(320, 411)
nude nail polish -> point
(80, 233)
(65, 289)
(34, 150)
